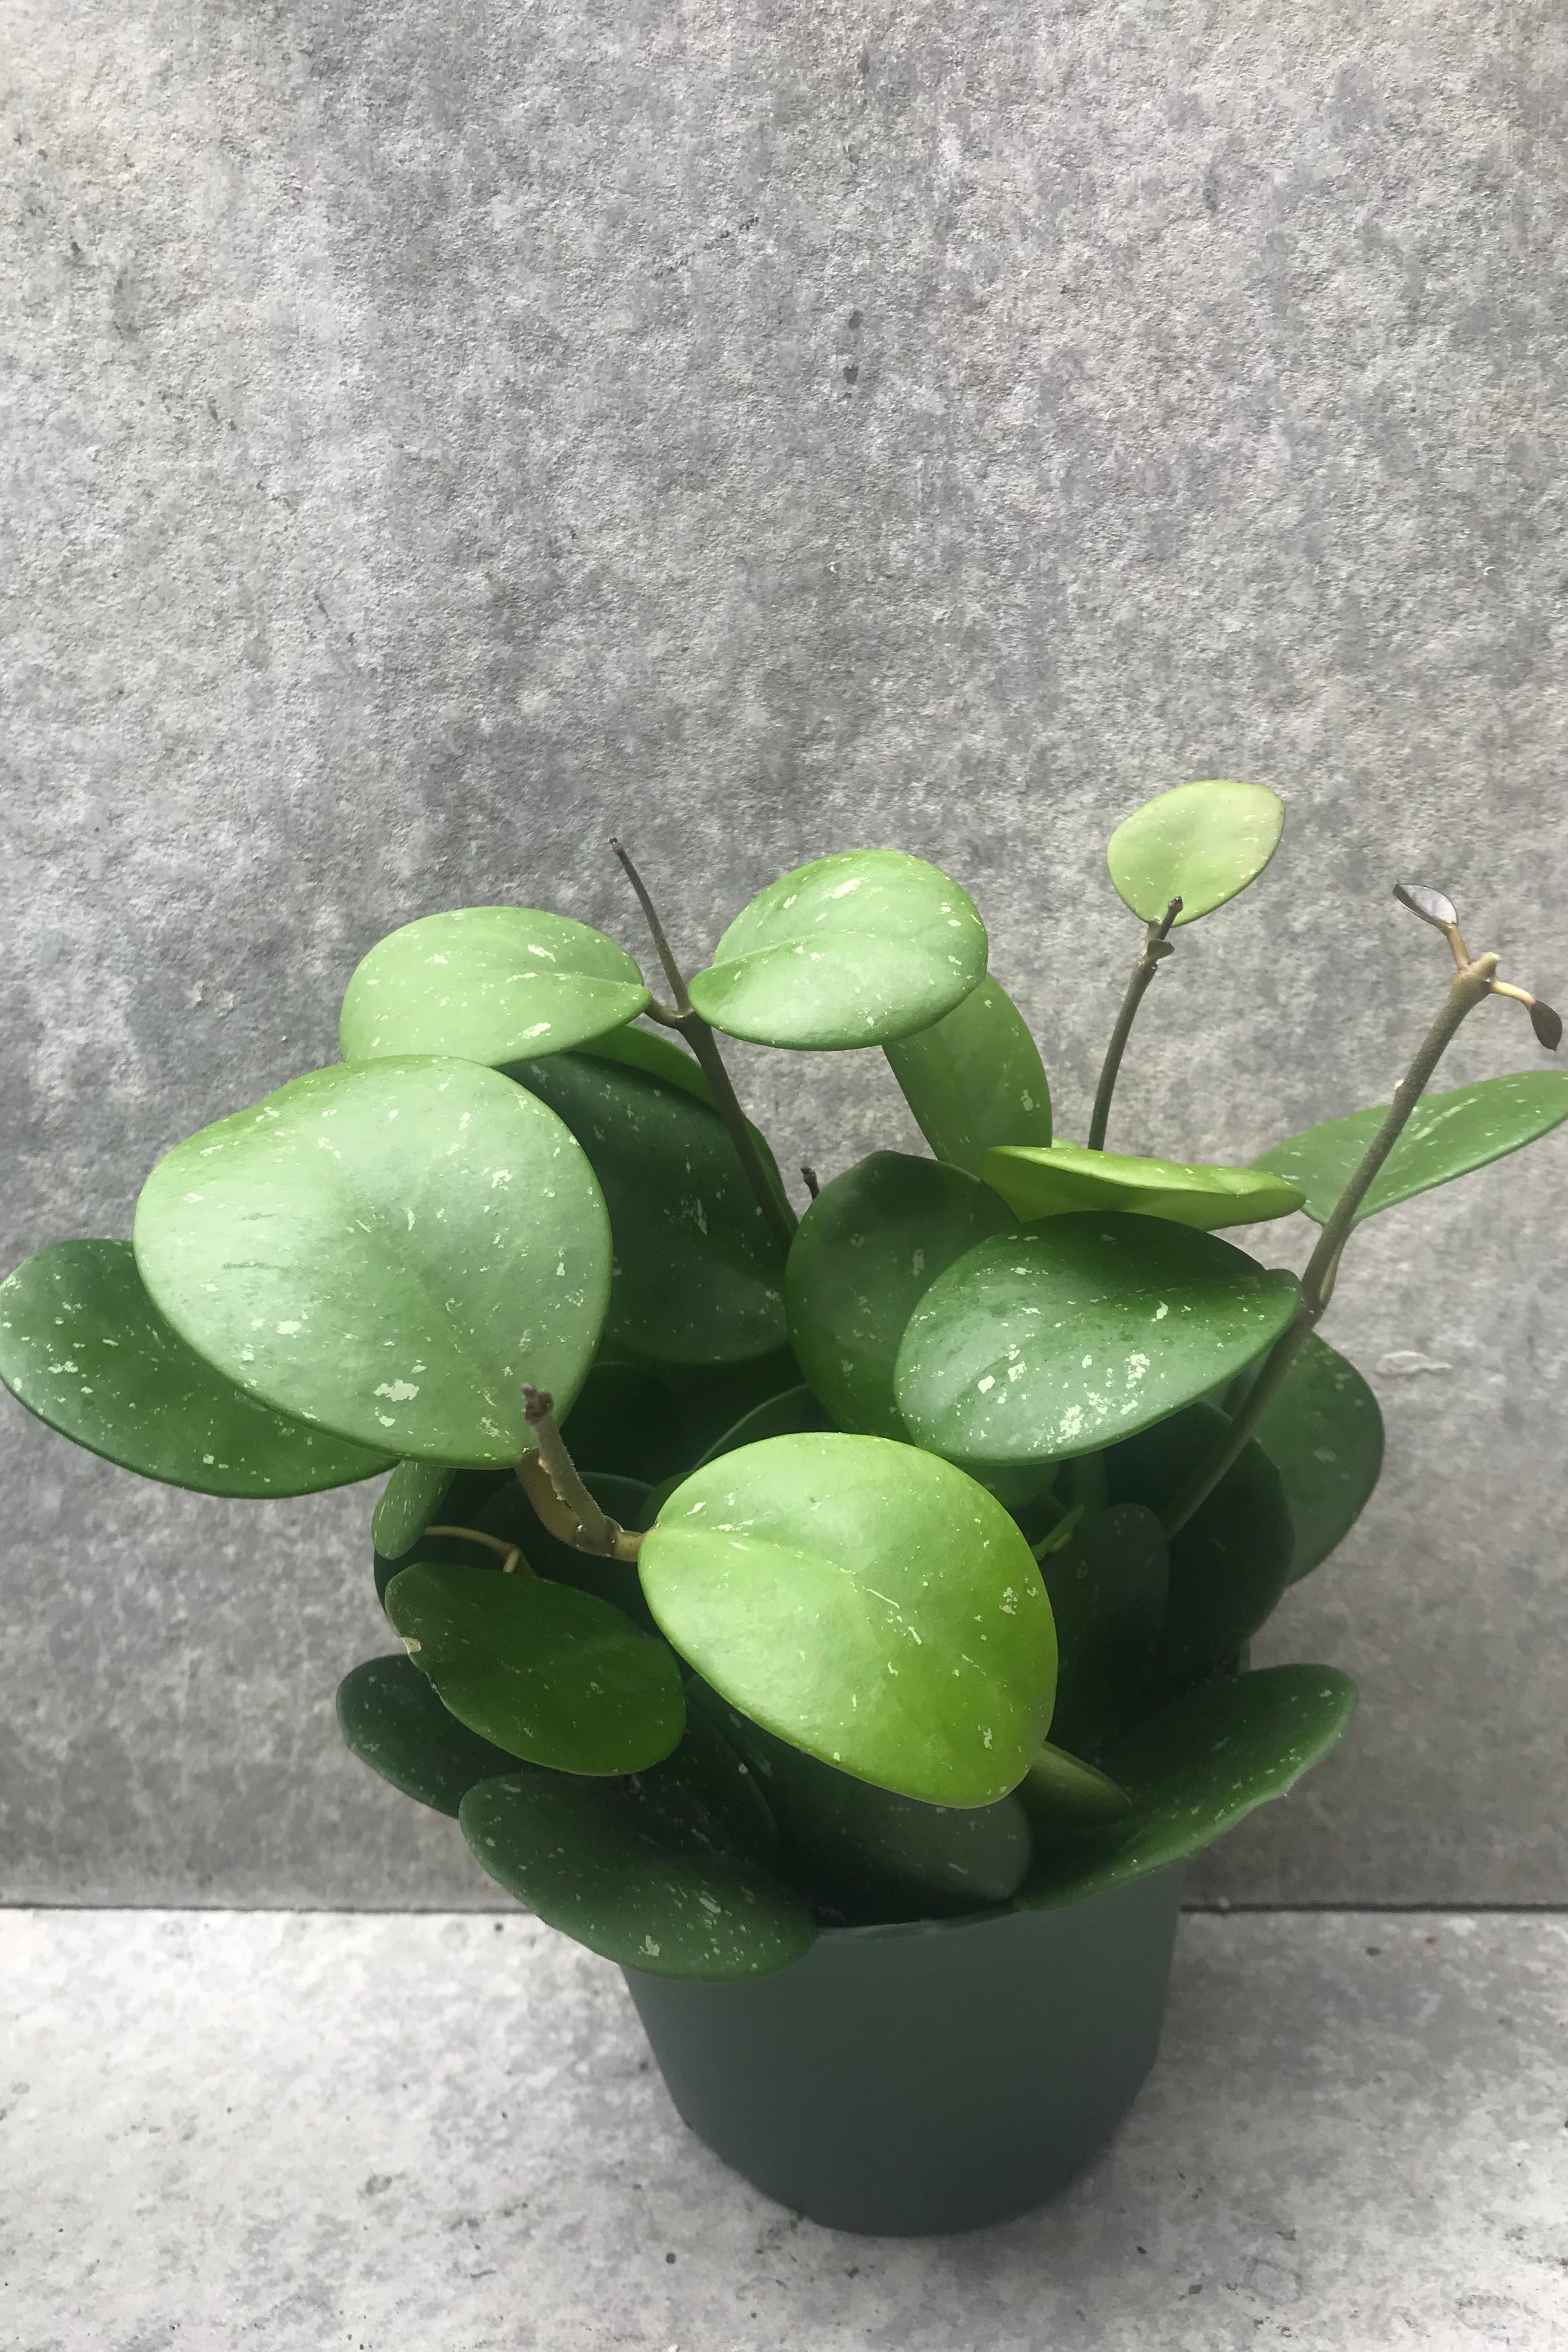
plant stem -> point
(1144, 971)
(1471, 983)
(682, 1016)
(511, 1558)
(554, 1485)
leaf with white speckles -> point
(388, 1251)
(393, 1720)
(488, 984)
(1200, 843)
(854, 949)
(974, 1080)
(1324, 1432)
(1046, 1183)
(1446, 1136)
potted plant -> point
(839, 1622)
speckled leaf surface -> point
(1324, 1432)
(974, 1080)
(550, 1675)
(388, 1251)
(83, 1347)
(656, 1054)
(1046, 1183)
(410, 1500)
(393, 1720)
(602, 1868)
(707, 1793)
(867, 1251)
(488, 984)
(1446, 1136)
(1063, 1337)
(865, 1602)
(698, 1277)
(1197, 1768)
(1108, 1586)
(854, 949)
(511, 1516)
(1201, 843)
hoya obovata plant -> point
(756, 1575)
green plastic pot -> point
(904, 2081)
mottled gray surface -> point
(444, 434)
(305, 2133)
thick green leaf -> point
(867, 1251)
(1078, 1332)
(84, 1347)
(391, 1720)
(706, 1400)
(550, 1675)
(974, 1080)
(657, 1055)
(605, 1869)
(412, 1498)
(698, 1278)
(791, 1414)
(1448, 1136)
(707, 1792)
(511, 1517)
(1063, 1796)
(850, 951)
(488, 984)
(388, 1251)
(1201, 843)
(1045, 1183)
(1231, 1562)
(1197, 1769)
(1324, 1432)
(1108, 1586)
(624, 1421)
(868, 1604)
(865, 1854)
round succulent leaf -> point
(1108, 1586)
(1078, 1332)
(697, 1272)
(1201, 843)
(511, 1517)
(600, 1866)
(624, 1421)
(1062, 1795)
(974, 1080)
(391, 1719)
(462, 1506)
(1046, 1183)
(854, 949)
(1446, 1136)
(387, 1251)
(707, 1793)
(656, 1055)
(550, 1675)
(706, 1400)
(865, 1253)
(411, 1498)
(1195, 1769)
(1231, 1562)
(488, 984)
(1324, 1432)
(864, 1601)
(796, 1412)
(85, 1349)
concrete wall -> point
(446, 433)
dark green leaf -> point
(1046, 1183)
(1063, 1796)
(698, 1273)
(1324, 1432)
(391, 1720)
(1078, 1332)
(1448, 1136)
(974, 1080)
(792, 1414)
(368, 1250)
(708, 1794)
(868, 1604)
(510, 1517)
(657, 1055)
(488, 984)
(706, 1400)
(850, 951)
(624, 1420)
(84, 1347)
(1201, 843)
(603, 1868)
(1197, 1769)
(411, 1499)
(550, 1675)
(1107, 1586)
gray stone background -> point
(442, 433)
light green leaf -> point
(1197, 1769)
(547, 1673)
(1078, 1331)
(607, 1870)
(387, 1251)
(391, 1720)
(1107, 1586)
(850, 951)
(488, 984)
(864, 1601)
(867, 1251)
(1448, 1136)
(1062, 1795)
(1201, 843)
(974, 1080)
(1324, 1432)
(1046, 1183)
(657, 1055)
(411, 1500)
(84, 1347)
(698, 1275)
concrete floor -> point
(440, 2133)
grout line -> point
(1220, 1908)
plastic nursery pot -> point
(903, 2080)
